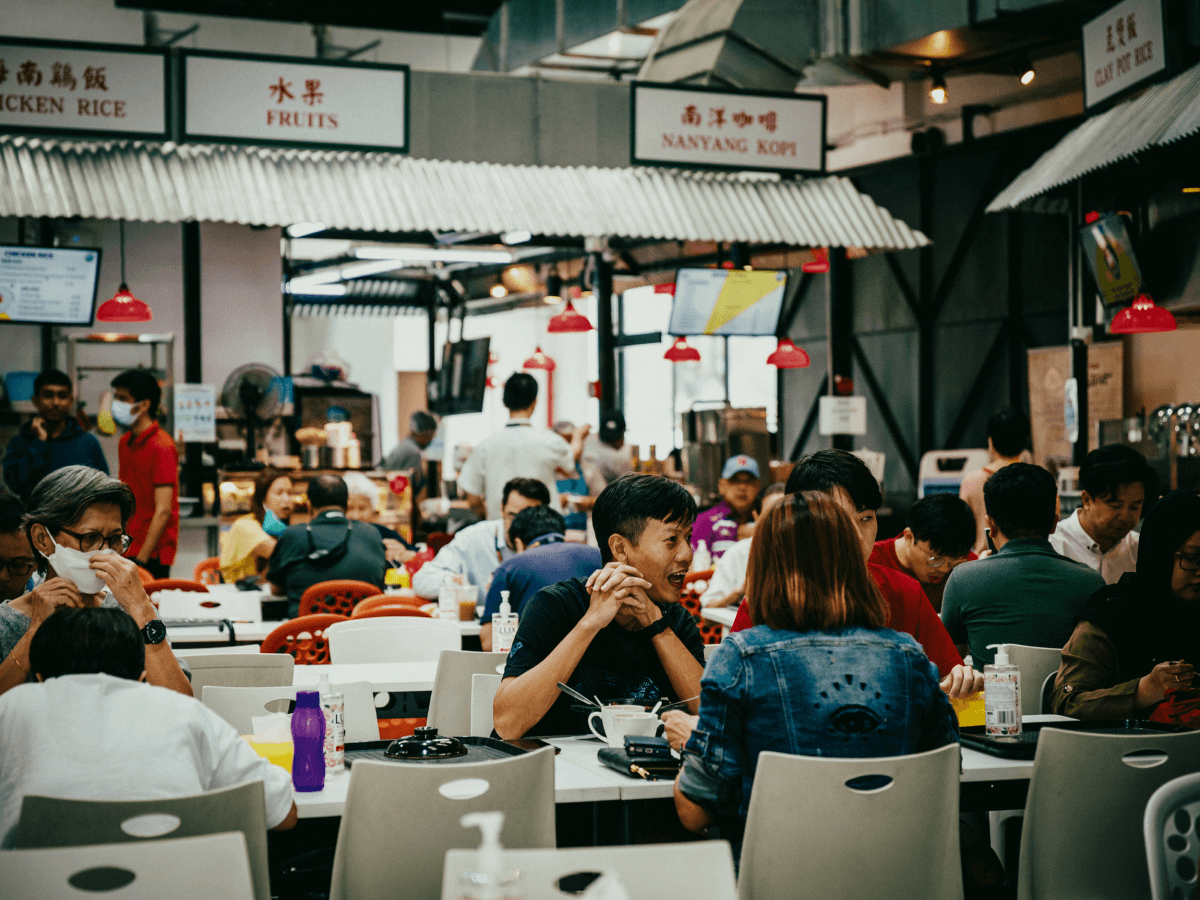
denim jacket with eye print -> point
(850, 692)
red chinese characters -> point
(282, 90)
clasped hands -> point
(618, 592)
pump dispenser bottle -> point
(490, 879)
(1001, 694)
(504, 626)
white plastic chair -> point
(709, 650)
(662, 871)
(1083, 833)
(392, 639)
(943, 470)
(239, 670)
(236, 606)
(197, 868)
(450, 705)
(815, 831)
(401, 818)
(1172, 844)
(237, 705)
(1036, 663)
(55, 822)
(483, 695)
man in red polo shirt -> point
(941, 529)
(150, 466)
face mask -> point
(122, 413)
(72, 565)
(272, 524)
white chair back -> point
(1083, 832)
(709, 650)
(239, 670)
(1172, 843)
(483, 694)
(236, 606)
(450, 704)
(943, 470)
(392, 639)
(1036, 663)
(401, 818)
(855, 820)
(662, 871)
(238, 705)
(197, 868)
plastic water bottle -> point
(333, 706)
(308, 742)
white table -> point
(256, 632)
(393, 677)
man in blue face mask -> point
(150, 466)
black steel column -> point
(925, 321)
(49, 356)
(193, 372)
(606, 345)
(839, 298)
(1079, 371)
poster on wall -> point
(1049, 372)
(195, 413)
(1122, 47)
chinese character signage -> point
(1121, 48)
(292, 101)
(195, 413)
(690, 126)
(49, 87)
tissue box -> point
(279, 754)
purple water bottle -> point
(308, 740)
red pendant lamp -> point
(569, 321)
(540, 360)
(1144, 317)
(123, 307)
(682, 351)
(788, 356)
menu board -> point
(727, 301)
(48, 285)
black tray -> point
(479, 749)
(1024, 745)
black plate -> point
(1024, 745)
(479, 749)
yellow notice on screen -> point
(741, 291)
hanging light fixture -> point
(540, 360)
(569, 321)
(123, 307)
(553, 288)
(1027, 72)
(788, 356)
(938, 92)
(682, 351)
(1144, 317)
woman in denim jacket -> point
(818, 675)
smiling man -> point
(620, 634)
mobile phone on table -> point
(639, 745)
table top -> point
(722, 615)
(256, 632)
(411, 676)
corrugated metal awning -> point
(167, 182)
(1164, 113)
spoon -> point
(656, 706)
(578, 696)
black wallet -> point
(651, 768)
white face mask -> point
(72, 565)
(122, 413)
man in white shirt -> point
(476, 550)
(727, 586)
(517, 451)
(93, 730)
(1115, 483)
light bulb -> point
(1028, 75)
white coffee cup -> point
(643, 724)
(606, 717)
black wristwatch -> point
(154, 632)
(656, 628)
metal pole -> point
(839, 305)
(606, 346)
(192, 347)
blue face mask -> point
(273, 525)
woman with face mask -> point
(76, 523)
(247, 545)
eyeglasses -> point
(1189, 562)
(940, 562)
(18, 568)
(94, 540)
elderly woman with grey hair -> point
(76, 522)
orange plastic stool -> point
(208, 571)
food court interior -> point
(476, 397)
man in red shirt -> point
(941, 529)
(150, 466)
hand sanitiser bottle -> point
(504, 626)
(1001, 694)
(490, 878)
(702, 559)
(333, 705)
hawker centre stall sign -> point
(57, 87)
(1122, 48)
(295, 102)
(700, 127)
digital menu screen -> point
(48, 285)
(727, 301)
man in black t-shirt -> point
(620, 634)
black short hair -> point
(1009, 430)
(630, 501)
(945, 522)
(12, 512)
(94, 640)
(1021, 498)
(829, 469)
(520, 391)
(328, 490)
(1107, 468)
(529, 488)
(422, 422)
(534, 522)
(54, 377)
(142, 385)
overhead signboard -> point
(56, 87)
(295, 102)
(842, 415)
(676, 125)
(1121, 48)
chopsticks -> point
(678, 704)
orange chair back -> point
(438, 540)
(335, 598)
(386, 600)
(208, 571)
(393, 610)
(145, 576)
(693, 586)
(303, 639)
(174, 584)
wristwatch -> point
(655, 628)
(154, 632)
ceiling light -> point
(681, 351)
(553, 288)
(499, 291)
(569, 321)
(540, 360)
(1027, 74)
(429, 254)
(938, 92)
(517, 237)
(1144, 317)
(303, 229)
(1191, 190)
(123, 306)
(788, 356)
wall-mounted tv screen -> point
(1109, 252)
(48, 285)
(462, 381)
(727, 301)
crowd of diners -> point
(837, 648)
